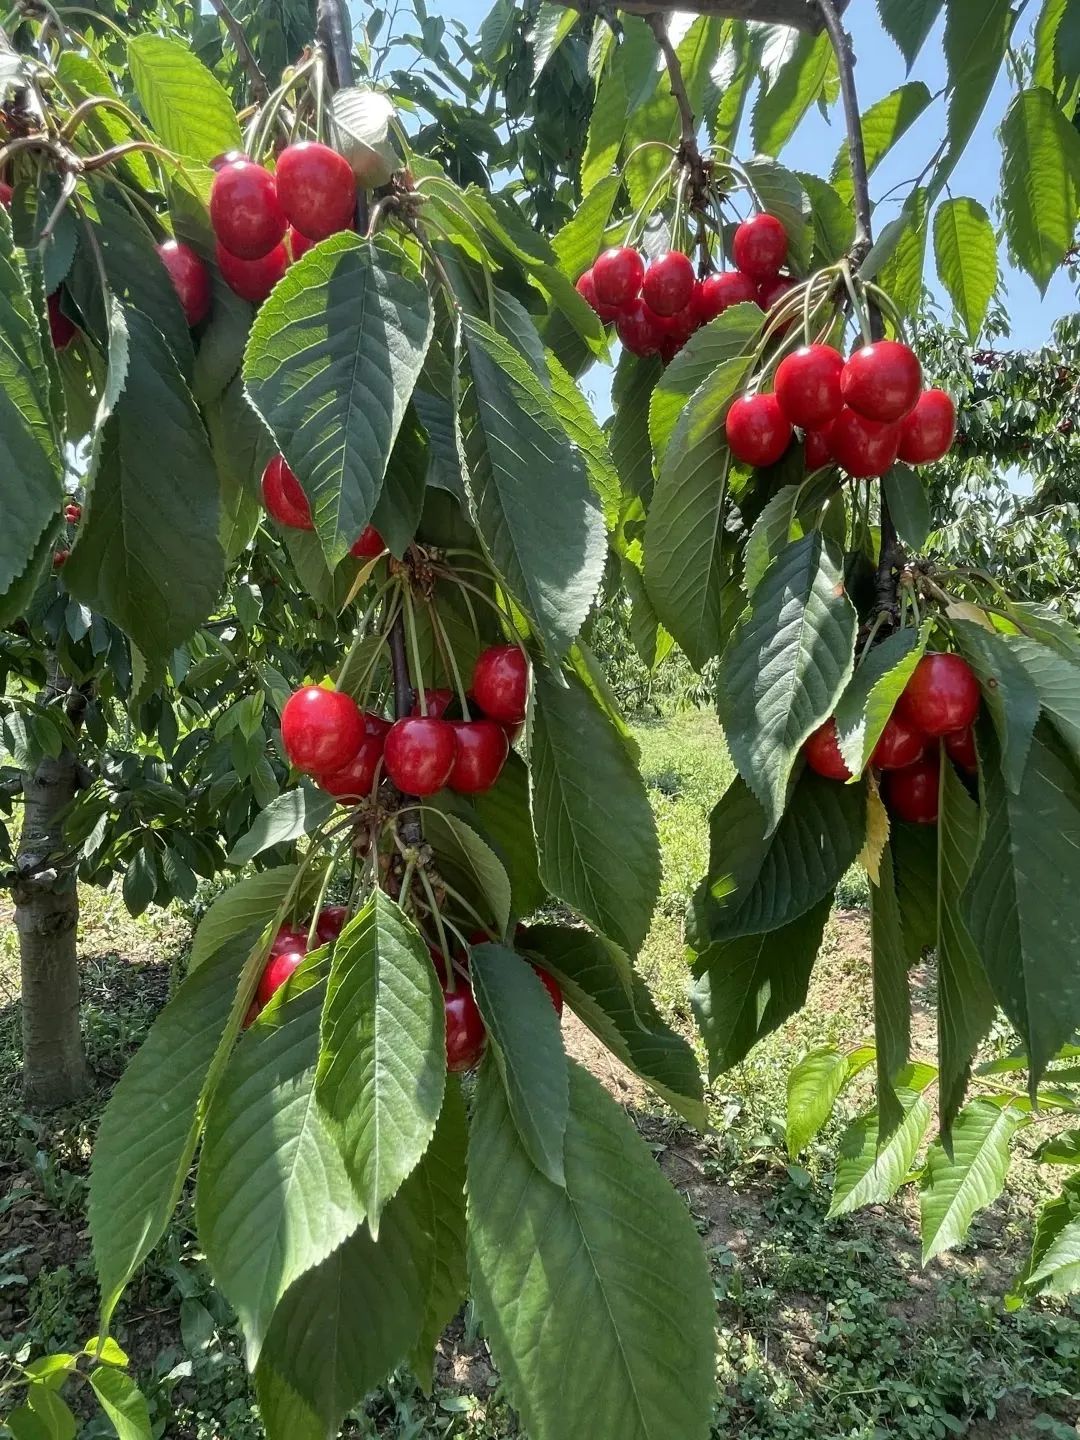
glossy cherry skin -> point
(757, 429)
(717, 293)
(190, 278)
(822, 751)
(316, 188)
(296, 243)
(356, 777)
(245, 211)
(252, 279)
(321, 729)
(278, 969)
(669, 283)
(226, 158)
(284, 496)
(501, 683)
(760, 247)
(586, 288)
(900, 744)
(369, 545)
(941, 696)
(419, 754)
(437, 700)
(551, 985)
(617, 277)
(638, 329)
(882, 381)
(465, 1033)
(331, 922)
(771, 292)
(807, 385)
(928, 432)
(289, 937)
(818, 451)
(72, 514)
(960, 748)
(482, 748)
(61, 330)
(864, 448)
(912, 794)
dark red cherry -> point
(354, 780)
(190, 278)
(864, 448)
(73, 514)
(586, 288)
(501, 683)
(331, 922)
(465, 1033)
(437, 700)
(316, 188)
(899, 745)
(928, 432)
(296, 243)
(369, 545)
(807, 385)
(482, 748)
(771, 292)
(912, 794)
(252, 279)
(244, 210)
(717, 293)
(552, 986)
(419, 754)
(960, 748)
(941, 696)
(818, 451)
(278, 969)
(638, 330)
(289, 937)
(61, 330)
(822, 751)
(321, 729)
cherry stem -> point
(459, 899)
(414, 646)
(438, 921)
(443, 641)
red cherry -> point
(638, 330)
(960, 748)
(465, 1033)
(289, 937)
(60, 558)
(942, 695)
(669, 283)
(771, 292)
(419, 754)
(501, 683)
(817, 448)
(6, 194)
(928, 432)
(369, 545)
(354, 780)
(760, 247)
(226, 158)
(482, 748)
(297, 244)
(586, 288)
(190, 278)
(617, 277)
(316, 188)
(822, 751)
(678, 328)
(864, 448)
(331, 922)
(252, 279)
(321, 729)
(278, 969)
(245, 211)
(438, 701)
(882, 381)
(72, 514)
(807, 385)
(716, 293)
(757, 429)
(899, 745)
(551, 985)
(61, 329)
(912, 794)
(284, 497)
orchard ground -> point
(826, 1328)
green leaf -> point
(863, 710)
(586, 790)
(440, 1180)
(905, 492)
(148, 555)
(25, 1425)
(362, 131)
(123, 1402)
(504, 821)
(1023, 921)
(901, 275)
(382, 1065)
(965, 248)
(1055, 1256)
(292, 814)
(468, 863)
(812, 1089)
(51, 1410)
(745, 988)
(914, 850)
(274, 1198)
(730, 337)
(892, 998)
(882, 126)
(240, 447)
(799, 82)
(1057, 681)
(1008, 690)
(869, 1172)
(782, 193)
(31, 207)
(83, 77)
(786, 516)
(785, 667)
(631, 448)
(577, 419)
(401, 501)
(731, 81)
(580, 240)
(1040, 183)
(1061, 1149)
(552, 25)
(604, 991)
(613, 1256)
(533, 504)
(834, 224)
(955, 1187)
(975, 44)
(187, 106)
(330, 366)
(909, 22)
(523, 1030)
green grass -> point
(827, 1330)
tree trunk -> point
(46, 898)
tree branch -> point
(260, 90)
(800, 14)
(675, 76)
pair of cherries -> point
(657, 309)
(939, 702)
(862, 413)
(288, 948)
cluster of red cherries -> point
(657, 309)
(863, 413)
(327, 736)
(939, 703)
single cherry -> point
(72, 514)
(586, 288)
(757, 429)
(899, 745)
(638, 329)
(437, 700)
(6, 194)
(960, 748)
(321, 729)
(942, 695)
(419, 754)
(331, 922)
(190, 278)
(669, 283)
(316, 188)
(289, 937)
(807, 385)
(226, 158)
(61, 330)
(717, 293)
(369, 545)
(882, 381)
(252, 279)
(465, 1033)
(284, 496)
(354, 780)
(822, 751)
(482, 748)
(278, 969)
(245, 211)
(501, 683)
(617, 277)
(864, 448)
(928, 432)
(771, 292)
(760, 247)
(60, 558)
(551, 985)
(912, 794)
(818, 451)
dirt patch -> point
(583, 1046)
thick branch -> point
(334, 30)
(675, 77)
(260, 90)
(801, 14)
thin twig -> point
(260, 90)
